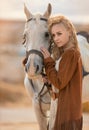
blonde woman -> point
(67, 77)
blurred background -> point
(12, 21)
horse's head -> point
(36, 35)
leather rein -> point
(41, 93)
(34, 51)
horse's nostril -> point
(37, 68)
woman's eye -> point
(59, 33)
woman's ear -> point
(24, 61)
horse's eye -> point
(46, 34)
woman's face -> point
(60, 34)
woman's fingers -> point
(45, 52)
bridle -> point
(34, 51)
(41, 93)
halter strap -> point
(33, 51)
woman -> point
(67, 78)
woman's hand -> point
(45, 80)
(45, 52)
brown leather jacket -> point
(68, 79)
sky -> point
(77, 10)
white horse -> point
(36, 35)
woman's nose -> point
(55, 38)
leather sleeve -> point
(67, 68)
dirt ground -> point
(14, 108)
(16, 111)
(19, 126)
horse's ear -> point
(48, 11)
(27, 12)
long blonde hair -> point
(56, 51)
